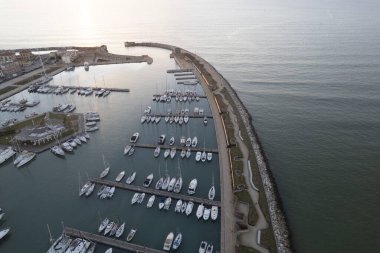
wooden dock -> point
(178, 70)
(152, 191)
(94, 88)
(178, 148)
(121, 244)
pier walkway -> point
(121, 244)
(146, 190)
(178, 148)
(94, 88)
(175, 114)
(173, 96)
(179, 70)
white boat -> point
(114, 229)
(120, 230)
(92, 129)
(127, 148)
(103, 224)
(6, 154)
(27, 158)
(82, 138)
(157, 151)
(66, 146)
(167, 119)
(176, 119)
(60, 245)
(214, 212)
(209, 248)
(178, 185)
(194, 142)
(90, 190)
(183, 207)
(171, 184)
(178, 206)
(186, 119)
(77, 140)
(120, 176)
(173, 151)
(143, 119)
(148, 180)
(200, 211)
(158, 119)
(188, 142)
(131, 178)
(4, 232)
(150, 201)
(177, 241)
(188, 153)
(105, 172)
(72, 143)
(192, 186)
(99, 92)
(165, 184)
(131, 234)
(78, 245)
(180, 120)
(206, 214)
(203, 156)
(168, 241)
(211, 193)
(141, 197)
(182, 141)
(20, 156)
(106, 93)
(205, 120)
(168, 202)
(111, 192)
(58, 151)
(134, 137)
(108, 250)
(131, 151)
(209, 156)
(198, 156)
(162, 138)
(159, 183)
(167, 153)
(171, 141)
(183, 153)
(161, 203)
(135, 197)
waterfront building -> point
(25, 57)
(10, 68)
(7, 56)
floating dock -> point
(178, 148)
(186, 78)
(121, 244)
(184, 74)
(94, 88)
(174, 114)
(178, 70)
(152, 191)
(173, 96)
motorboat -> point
(90, 190)
(192, 186)
(188, 153)
(120, 176)
(6, 154)
(141, 197)
(148, 180)
(66, 146)
(159, 183)
(103, 224)
(20, 156)
(186, 119)
(134, 137)
(157, 151)
(82, 138)
(58, 151)
(151, 201)
(168, 241)
(165, 184)
(120, 230)
(194, 142)
(205, 120)
(167, 119)
(198, 156)
(202, 247)
(167, 203)
(26, 159)
(161, 203)
(111, 192)
(209, 248)
(171, 141)
(188, 142)
(72, 143)
(214, 212)
(206, 214)
(131, 234)
(177, 241)
(211, 193)
(4, 232)
(178, 206)
(162, 138)
(131, 178)
(209, 156)
(200, 211)
(176, 119)
(203, 156)
(180, 120)
(171, 184)
(167, 153)
(127, 148)
(77, 140)
(135, 197)
(173, 151)
(183, 153)
(178, 185)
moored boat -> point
(131, 234)
(178, 185)
(120, 230)
(4, 232)
(198, 156)
(120, 176)
(159, 183)
(157, 151)
(171, 141)
(209, 248)
(203, 156)
(167, 203)
(148, 180)
(131, 178)
(135, 198)
(134, 137)
(127, 148)
(103, 224)
(168, 241)
(211, 193)
(166, 153)
(202, 247)
(214, 212)
(58, 151)
(173, 151)
(192, 186)
(177, 241)
(194, 142)
(206, 213)
(178, 206)
(26, 159)
(209, 156)
(150, 202)
(171, 184)
(200, 211)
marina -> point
(178, 148)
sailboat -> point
(106, 169)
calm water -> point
(308, 71)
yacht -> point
(168, 241)
(188, 142)
(171, 141)
(211, 193)
(148, 180)
(58, 151)
(134, 137)
(205, 120)
(135, 197)
(194, 142)
(200, 211)
(206, 214)
(167, 153)
(209, 248)
(157, 151)
(177, 241)
(192, 186)
(214, 212)
(131, 178)
(120, 230)
(188, 153)
(159, 183)
(171, 184)
(203, 156)
(198, 156)
(27, 158)
(202, 247)
(4, 232)
(120, 176)
(161, 140)
(167, 203)
(173, 151)
(209, 156)
(127, 148)
(183, 153)
(131, 234)
(165, 184)
(189, 208)
(150, 201)
(6, 154)
(103, 224)
(178, 206)
(178, 185)
(90, 190)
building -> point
(6, 56)
(1, 74)
(10, 68)
(69, 56)
(25, 57)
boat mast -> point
(50, 237)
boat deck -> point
(173, 195)
(109, 241)
(178, 148)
